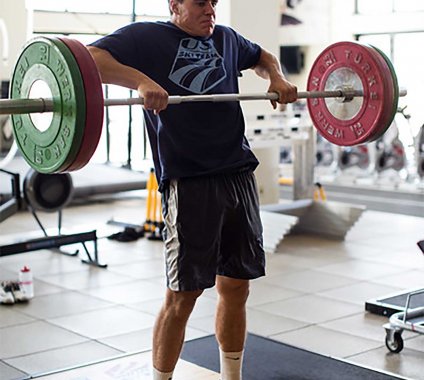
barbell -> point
(352, 95)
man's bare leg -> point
(169, 330)
(230, 324)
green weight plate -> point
(50, 150)
(82, 108)
(396, 91)
(387, 96)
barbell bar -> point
(41, 105)
(352, 96)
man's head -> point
(196, 17)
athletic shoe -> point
(18, 293)
(6, 295)
(129, 234)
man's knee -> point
(232, 290)
(181, 304)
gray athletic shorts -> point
(212, 227)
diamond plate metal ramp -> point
(329, 219)
(275, 227)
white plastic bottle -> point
(26, 283)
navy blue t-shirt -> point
(190, 139)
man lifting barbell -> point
(213, 232)
(202, 159)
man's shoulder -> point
(141, 26)
(224, 29)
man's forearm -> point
(113, 72)
(268, 66)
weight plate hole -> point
(340, 79)
(40, 89)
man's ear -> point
(174, 6)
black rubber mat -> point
(271, 360)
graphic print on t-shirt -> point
(197, 66)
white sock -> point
(231, 363)
(162, 375)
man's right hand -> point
(155, 97)
(113, 72)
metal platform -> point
(405, 201)
(393, 303)
(396, 302)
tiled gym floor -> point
(313, 296)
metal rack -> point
(47, 242)
(410, 319)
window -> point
(119, 124)
(152, 8)
(408, 5)
(388, 6)
(382, 41)
(142, 7)
(408, 63)
(93, 6)
(408, 66)
(374, 6)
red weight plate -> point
(389, 95)
(359, 60)
(94, 103)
